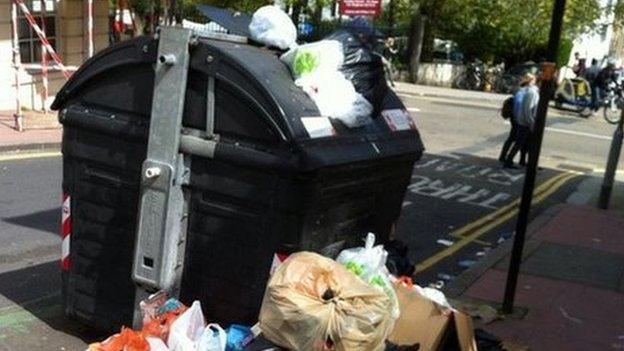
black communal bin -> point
(269, 188)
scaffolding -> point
(46, 50)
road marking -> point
(602, 170)
(29, 155)
(413, 109)
(572, 132)
(497, 218)
(459, 233)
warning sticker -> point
(318, 127)
(398, 119)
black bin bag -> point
(362, 66)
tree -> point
(511, 30)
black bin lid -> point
(262, 77)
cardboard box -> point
(433, 326)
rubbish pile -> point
(169, 325)
(312, 302)
(341, 73)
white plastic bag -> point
(336, 97)
(214, 338)
(320, 56)
(369, 263)
(156, 344)
(272, 26)
(187, 329)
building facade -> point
(65, 24)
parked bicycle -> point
(508, 81)
(472, 78)
(477, 76)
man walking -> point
(591, 74)
(524, 114)
(513, 132)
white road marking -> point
(573, 132)
(413, 109)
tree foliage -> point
(513, 30)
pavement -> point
(43, 133)
(448, 93)
(570, 293)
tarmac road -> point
(458, 193)
(461, 195)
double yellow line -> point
(472, 231)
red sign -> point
(360, 7)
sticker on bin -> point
(318, 127)
(398, 119)
(66, 229)
(278, 259)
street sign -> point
(360, 7)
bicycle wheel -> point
(611, 112)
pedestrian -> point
(603, 79)
(524, 113)
(580, 67)
(513, 132)
(387, 57)
(590, 76)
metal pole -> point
(17, 61)
(44, 63)
(546, 93)
(89, 28)
(612, 162)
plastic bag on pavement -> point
(335, 97)
(126, 340)
(362, 66)
(273, 27)
(312, 301)
(187, 329)
(213, 338)
(369, 263)
(320, 56)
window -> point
(29, 44)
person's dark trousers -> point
(522, 143)
(511, 138)
(596, 97)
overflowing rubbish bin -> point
(281, 178)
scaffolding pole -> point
(44, 40)
(89, 28)
(16, 65)
(44, 62)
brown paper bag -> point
(312, 299)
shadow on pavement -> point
(47, 221)
(37, 290)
